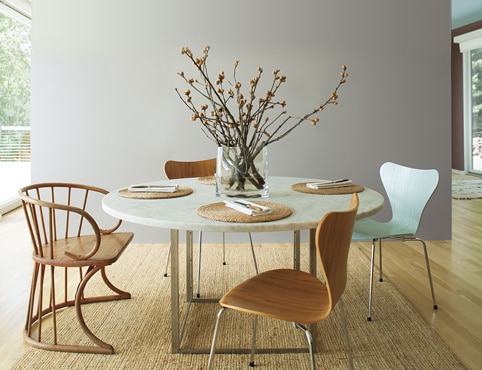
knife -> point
(248, 205)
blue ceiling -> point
(465, 12)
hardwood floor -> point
(456, 269)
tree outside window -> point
(476, 107)
(15, 56)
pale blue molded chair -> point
(408, 191)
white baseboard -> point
(458, 172)
(9, 205)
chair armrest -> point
(45, 222)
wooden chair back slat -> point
(184, 169)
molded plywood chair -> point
(294, 295)
(185, 169)
(408, 190)
(203, 168)
(66, 237)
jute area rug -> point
(466, 189)
(139, 328)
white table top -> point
(181, 213)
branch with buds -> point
(232, 118)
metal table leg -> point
(178, 330)
(312, 264)
(175, 342)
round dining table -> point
(184, 212)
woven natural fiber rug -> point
(466, 189)
(139, 328)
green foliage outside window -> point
(476, 58)
(15, 53)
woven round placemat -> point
(207, 180)
(302, 188)
(220, 212)
(180, 192)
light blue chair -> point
(408, 191)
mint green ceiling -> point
(465, 12)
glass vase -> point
(242, 172)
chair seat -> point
(111, 248)
(368, 229)
(284, 294)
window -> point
(471, 48)
(15, 51)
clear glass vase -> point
(242, 172)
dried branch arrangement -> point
(232, 118)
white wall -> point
(104, 110)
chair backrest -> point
(58, 211)
(184, 169)
(408, 190)
(333, 239)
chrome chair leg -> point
(215, 338)
(224, 248)
(167, 261)
(427, 262)
(198, 294)
(224, 260)
(380, 259)
(428, 272)
(252, 251)
(253, 340)
(310, 344)
(370, 292)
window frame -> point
(467, 42)
(20, 10)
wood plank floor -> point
(456, 268)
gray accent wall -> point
(104, 109)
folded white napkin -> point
(248, 208)
(145, 188)
(323, 184)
